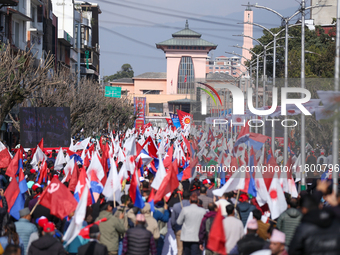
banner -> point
(175, 120)
(139, 111)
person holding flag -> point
(111, 228)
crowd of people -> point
(182, 222)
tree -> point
(126, 71)
(89, 108)
(20, 77)
(319, 64)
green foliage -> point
(318, 64)
(126, 71)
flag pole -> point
(238, 194)
(38, 202)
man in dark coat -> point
(47, 244)
(318, 232)
(93, 247)
(138, 240)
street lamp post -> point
(303, 136)
(257, 76)
(336, 88)
(286, 22)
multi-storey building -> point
(222, 64)
(89, 39)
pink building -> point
(186, 54)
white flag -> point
(112, 185)
(161, 173)
(96, 166)
(77, 221)
(277, 201)
(60, 160)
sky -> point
(129, 29)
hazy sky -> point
(129, 30)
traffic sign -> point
(113, 91)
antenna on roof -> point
(186, 25)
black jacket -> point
(250, 243)
(318, 233)
(92, 248)
(46, 245)
(138, 241)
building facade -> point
(227, 65)
(186, 55)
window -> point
(222, 67)
(151, 92)
(16, 34)
(24, 31)
(186, 76)
(33, 16)
(210, 67)
(217, 67)
(156, 107)
(40, 15)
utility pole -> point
(336, 88)
(78, 55)
(303, 135)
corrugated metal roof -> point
(186, 41)
(151, 75)
(123, 80)
(186, 32)
(186, 37)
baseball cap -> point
(49, 227)
(206, 181)
(41, 221)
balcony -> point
(8, 3)
(65, 38)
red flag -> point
(169, 183)
(58, 199)
(13, 166)
(210, 136)
(185, 78)
(186, 173)
(5, 157)
(169, 121)
(41, 144)
(86, 161)
(85, 232)
(152, 150)
(184, 118)
(43, 173)
(217, 239)
(12, 193)
(152, 195)
(168, 157)
(74, 178)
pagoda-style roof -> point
(186, 37)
